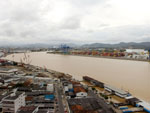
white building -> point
(143, 57)
(116, 91)
(43, 79)
(138, 51)
(13, 102)
(1, 54)
(5, 70)
(50, 87)
(70, 86)
(145, 105)
(80, 92)
(67, 86)
(66, 89)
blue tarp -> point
(146, 110)
(50, 97)
(127, 111)
(71, 90)
(122, 108)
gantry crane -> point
(149, 54)
(65, 48)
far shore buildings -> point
(1, 54)
(137, 54)
(139, 51)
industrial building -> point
(93, 81)
(132, 100)
(145, 105)
(116, 91)
(139, 51)
(87, 105)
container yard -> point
(127, 54)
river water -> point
(132, 76)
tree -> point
(93, 88)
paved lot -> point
(101, 102)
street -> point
(59, 97)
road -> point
(59, 97)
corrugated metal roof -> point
(116, 89)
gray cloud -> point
(60, 21)
(86, 3)
(71, 23)
(132, 33)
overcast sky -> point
(74, 21)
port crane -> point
(149, 54)
(64, 48)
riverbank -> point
(45, 74)
(116, 96)
(123, 74)
(95, 56)
(107, 57)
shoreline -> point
(59, 74)
(105, 57)
(71, 74)
(66, 75)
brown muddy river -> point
(132, 76)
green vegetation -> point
(19, 85)
(93, 88)
(104, 96)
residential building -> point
(28, 109)
(50, 87)
(13, 102)
(80, 91)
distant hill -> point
(38, 45)
(144, 45)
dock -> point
(134, 109)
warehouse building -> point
(116, 91)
